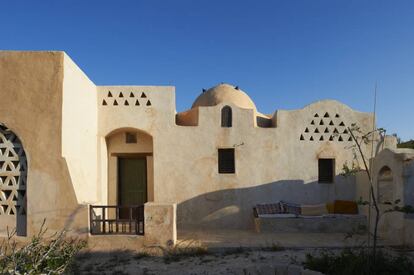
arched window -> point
(226, 117)
(13, 177)
(385, 185)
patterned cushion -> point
(291, 208)
(268, 208)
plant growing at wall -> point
(364, 260)
(43, 255)
(361, 140)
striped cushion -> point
(268, 208)
(291, 208)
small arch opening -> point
(385, 185)
(226, 117)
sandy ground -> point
(235, 261)
(229, 261)
(220, 252)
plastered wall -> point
(65, 128)
(79, 128)
(271, 163)
(31, 106)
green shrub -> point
(359, 262)
(51, 255)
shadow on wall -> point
(409, 190)
(233, 208)
(65, 214)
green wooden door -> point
(132, 181)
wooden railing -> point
(116, 219)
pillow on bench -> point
(345, 207)
(267, 209)
(314, 209)
(291, 208)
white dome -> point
(224, 93)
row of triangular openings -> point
(9, 166)
(12, 181)
(131, 94)
(126, 103)
(12, 195)
(326, 115)
(7, 152)
(9, 180)
(331, 123)
(326, 131)
(11, 210)
(330, 138)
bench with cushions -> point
(337, 217)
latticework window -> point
(13, 174)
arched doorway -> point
(385, 185)
(130, 167)
(13, 179)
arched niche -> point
(385, 185)
(13, 183)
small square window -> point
(226, 161)
(326, 170)
(130, 137)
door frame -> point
(131, 156)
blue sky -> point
(284, 54)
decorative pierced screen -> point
(133, 99)
(13, 174)
(326, 127)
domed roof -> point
(224, 93)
